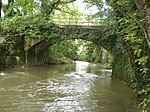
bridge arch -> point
(95, 34)
(88, 33)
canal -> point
(79, 87)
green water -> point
(80, 87)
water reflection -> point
(81, 66)
(58, 89)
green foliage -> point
(127, 16)
(87, 51)
(64, 51)
(27, 19)
(73, 49)
(68, 50)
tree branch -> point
(63, 11)
(124, 11)
(53, 6)
(142, 6)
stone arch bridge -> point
(34, 50)
(96, 34)
(38, 48)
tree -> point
(132, 21)
(133, 26)
(143, 6)
(25, 19)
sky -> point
(5, 1)
(82, 7)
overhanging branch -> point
(54, 6)
(124, 11)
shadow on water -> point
(80, 87)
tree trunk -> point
(8, 6)
(147, 21)
(0, 8)
(144, 7)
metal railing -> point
(81, 21)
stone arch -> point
(36, 51)
(93, 34)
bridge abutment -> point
(37, 54)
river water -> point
(80, 87)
